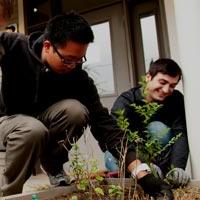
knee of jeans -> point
(156, 126)
(160, 131)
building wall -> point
(184, 30)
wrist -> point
(142, 174)
(141, 170)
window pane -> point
(99, 59)
(149, 38)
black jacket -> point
(29, 87)
(172, 114)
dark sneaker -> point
(61, 179)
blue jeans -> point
(156, 129)
(160, 131)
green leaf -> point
(74, 197)
(99, 178)
(99, 191)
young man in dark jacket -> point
(47, 99)
(162, 78)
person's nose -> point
(166, 89)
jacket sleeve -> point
(2, 52)
(104, 127)
(2, 49)
(123, 103)
(6, 42)
(180, 149)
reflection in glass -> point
(99, 59)
(149, 39)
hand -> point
(111, 162)
(156, 187)
(177, 177)
(156, 170)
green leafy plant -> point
(82, 169)
(115, 190)
(147, 147)
(79, 168)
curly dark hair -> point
(66, 27)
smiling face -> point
(160, 86)
(63, 59)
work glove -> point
(156, 187)
(156, 171)
(111, 162)
(177, 177)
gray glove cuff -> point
(139, 168)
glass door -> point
(148, 27)
(107, 56)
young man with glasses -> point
(46, 102)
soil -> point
(189, 193)
(91, 195)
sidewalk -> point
(40, 185)
(36, 183)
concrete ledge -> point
(194, 183)
(44, 194)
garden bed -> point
(70, 193)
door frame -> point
(121, 66)
(144, 9)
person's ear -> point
(148, 77)
(46, 45)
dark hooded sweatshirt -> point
(29, 87)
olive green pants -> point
(27, 139)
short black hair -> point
(165, 66)
(70, 26)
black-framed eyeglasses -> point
(68, 61)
